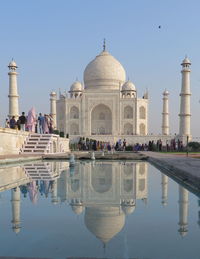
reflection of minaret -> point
(54, 194)
(199, 214)
(164, 184)
(15, 200)
(183, 211)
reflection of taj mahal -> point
(105, 192)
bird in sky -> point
(159, 27)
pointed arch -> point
(142, 112)
(128, 112)
(101, 120)
(128, 129)
(74, 112)
(74, 129)
(142, 129)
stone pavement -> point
(183, 168)
(12, 159)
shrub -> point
(56, 132)
(62, 134)
(194, 146)
(129, 148)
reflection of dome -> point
(183, 233)
(104, 72)
(16, 229)
(77, 209)
(128, 209)
(128, 86)
(104, 222)
(76, 87)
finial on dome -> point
(104, 44)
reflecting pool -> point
(98, 210)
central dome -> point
(104, 72)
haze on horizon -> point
(53, 41)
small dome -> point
(104, 72)
(186, 61)
(76, 87)
(165, 92)
(53, 93)
(128, 86)
(12, 64)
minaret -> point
(183, 211)
(164, 184)
(165, 113)
(15, 200)
(13, 94)
(53, 108)
(184, 122)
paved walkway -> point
(185, 168)
(11, 159)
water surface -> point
(96, 209)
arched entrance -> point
(101, 120)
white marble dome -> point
(104, 72)
(128, 86)
(165, 92)
(12, 65)
(186, 61)
(76, 87)
(53, 93)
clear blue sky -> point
(53, 41)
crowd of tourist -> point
(32, 123)
(121, 145)
(90, 144)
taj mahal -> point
(107, 106)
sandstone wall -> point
(11, 141)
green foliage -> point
(129, 148)
(56, 132)
(62, 134)
(194, 146)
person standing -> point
(41, 123)
(7, 123)
(22, 120)
(13, 122)
(31, 120)
(45, 125)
